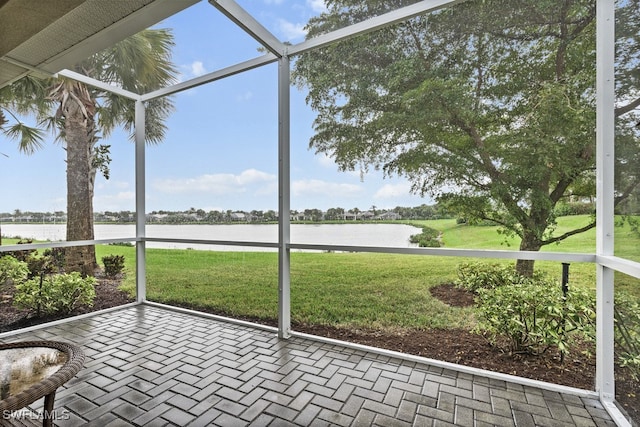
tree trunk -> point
(78, 129)
(524, 267)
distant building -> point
(156, 217)
(238, 216)
(366, 215)
(389, 216)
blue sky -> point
(221, 149)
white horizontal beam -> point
(62, 244)
(372, 24)
(204, 315)
(622, 265)
(99, 84)
(26, 66)
(213, 242)
(213, 76)
(468, 253)
(37, 327)
(499, 376)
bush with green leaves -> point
(480, 275)
(56, 257)
(12, 271)
(113, 265)
(627, 332)
(428, 238)
(574, 208)
(58, 293)
(533, 315)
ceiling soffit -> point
(47, 36)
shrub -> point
(574, 208)
(533, 315)
(427, 239)
(113, 265)
(12, 271)
(39, 265)
(56, 257)
(627, 332)
(59, 293)
(475, 276)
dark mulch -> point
(452, 295)
(107, 295)
(455, 346)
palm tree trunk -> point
(78, 128)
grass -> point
(348, 289)
(326, 288)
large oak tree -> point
(487, 106)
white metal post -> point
(141, 268)
(605, 164)
(284, 202)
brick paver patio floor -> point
(149, 366)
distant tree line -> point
(194, 215)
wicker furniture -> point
(32, 370)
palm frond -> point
(29, 139)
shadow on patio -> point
(147, 365)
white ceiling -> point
(45, 36)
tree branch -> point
(569, 234)
(626, 108)
(627, 192)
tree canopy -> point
(486, 106)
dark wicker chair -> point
(47, 387)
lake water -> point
(389, 235)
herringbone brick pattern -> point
(147, 366)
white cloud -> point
(251, 176)
(389, 191)
(217, 184)
(317, 6)
(197, 68)
(189, 71)
(291, 31)
(316, 187)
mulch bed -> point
(450, 345)
(107, 295)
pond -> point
(388, 235)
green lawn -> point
(328, 288)
(350, 289)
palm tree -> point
(78, 114)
